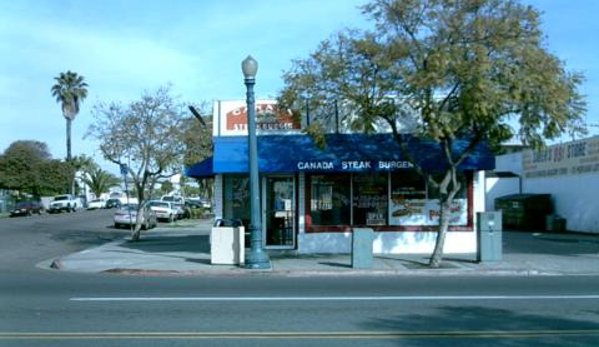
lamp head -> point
(249, 67)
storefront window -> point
(401, 198)
(237, 197)
(413, 202)
(330, 199)
(370, 199)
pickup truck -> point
(61, 203)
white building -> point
(568, 171)
(312, 198)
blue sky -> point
(123, 48)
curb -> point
(57, 264)
(334, 273)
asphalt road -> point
(27, 241)
(52, 308)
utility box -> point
(361, 252)
(489, 229)
(227, 245)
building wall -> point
(568, 171)
(500, 186)
(575, 198)
(511, 162)
(403, 242)
(218, 197)
(301, 209)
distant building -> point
(568, 171)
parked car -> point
(180, 210)
(163, 209)
(206, 203)
(27, 208)
(96, 203)
(65, 202)
(193, 204)
(126, 216)
(199, 203)
(173, 198)
(113, 203)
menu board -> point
(426, 212)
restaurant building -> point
(312, 197)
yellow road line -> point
(481, 334)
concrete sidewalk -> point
(184, 249)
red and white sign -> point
(233, 118)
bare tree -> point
(145, 137)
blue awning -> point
(343, 153)
(203, 169)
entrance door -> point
(280, 212)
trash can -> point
(524, 211)
(555, 223)
(227, 245)
(559, 224)
(489, 229)
(361, 253)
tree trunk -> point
(136, 235)
(68, 139)
(69, 157)
(437, 255)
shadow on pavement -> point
(447, 325)
(564, 244)
(162, 244)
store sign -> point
(268, 117)
(353, 165)
(578, 157)
(426, 212)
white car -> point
(64, 202)
(180, 209)
(96, 203)
(163, 210)
(126, 215)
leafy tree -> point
(26, 166)
(166, 187)
(70, 90)
(99, 181)
(56, 179)
(197, 137)
(451, 69)
(144, 136)
(81, 165)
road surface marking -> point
(339, 298)
(297, 335)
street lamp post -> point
(257, 258)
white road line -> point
(339, 298)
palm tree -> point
(70, 90)
(100, 181)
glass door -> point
(280, 212)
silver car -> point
(126, 216)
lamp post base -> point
(257, 260)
